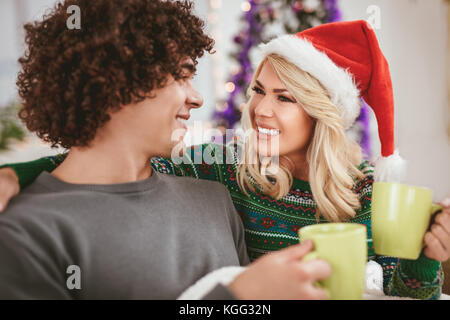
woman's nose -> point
(264, 108)
(194, 98)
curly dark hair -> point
(71, 79)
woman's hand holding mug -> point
(437, 239)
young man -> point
(103, 225)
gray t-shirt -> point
(149, 239)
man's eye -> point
(189, 76)
(258, 90)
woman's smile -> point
(267, 133)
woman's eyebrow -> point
(259, 84)
(274, 90)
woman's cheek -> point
(293, 137)
(251, 111)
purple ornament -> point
(334, 14)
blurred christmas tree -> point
(10, 127)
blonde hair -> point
(332, 157)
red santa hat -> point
(347, 60)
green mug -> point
(344, 247)
(400, 217)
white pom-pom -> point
(390, 169)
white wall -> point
(414, 38)
(13, 13)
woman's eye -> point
(258, 90)
(285, 99)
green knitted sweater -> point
(273, 224)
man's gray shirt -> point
(149, 239)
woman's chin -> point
(267, 148)
(266, 152)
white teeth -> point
(182, 121)
(269, 132)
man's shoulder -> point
(38, 203)
(203, 198)
(194, 186)
(30, 206)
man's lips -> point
(182, 118)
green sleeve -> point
(421, 279)
(201, 161)
(27, 172)
(418, 279)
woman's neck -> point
(298, 165)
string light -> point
(221, 107)
(213, 18)
(215, 4)
(230, 87)
(246, 6)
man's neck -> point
(104, 163)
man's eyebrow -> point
(274, 90)
(189, 66)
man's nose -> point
(194, 98)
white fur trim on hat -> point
(390, 169)
(340, 84)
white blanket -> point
(373, 288)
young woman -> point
(302, 98)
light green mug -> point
(344, 247)
(400, 217)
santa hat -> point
(347, 60)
